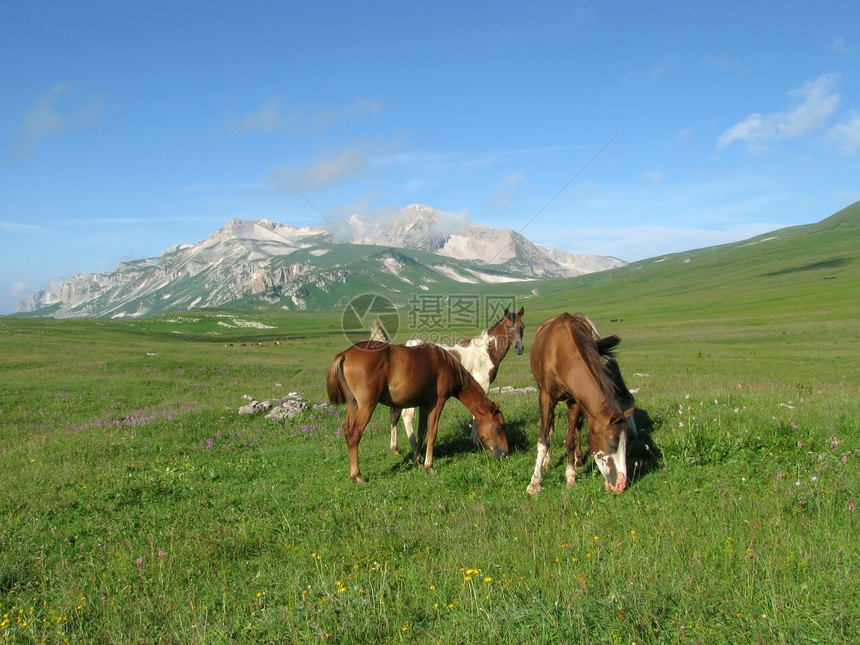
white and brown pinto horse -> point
(371, 372)
(480, 356)
(570, 365)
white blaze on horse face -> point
(613, 466)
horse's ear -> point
(496, 408)
(506, 312)
(521, 311)
(627, 413)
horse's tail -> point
(335, 383)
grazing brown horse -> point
(370, 372)
(480, 356)
(569, 365)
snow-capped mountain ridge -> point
(246, 257)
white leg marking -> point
(570, 474)
(537, 476)
(408, 415)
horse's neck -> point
(498, 348)
(474, 399)
(591, 397)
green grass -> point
(137, 506)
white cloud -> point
(846, 135)
(813, 104)
(56, 112)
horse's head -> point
(607, 442)
(514, 327)
(491, 431)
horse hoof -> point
(571, 484)
(430, 470)
(358, 479)
(533, 489)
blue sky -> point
(629, 129)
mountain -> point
(312, 267)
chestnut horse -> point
(569, 365)
(370, 372)
(480, 356)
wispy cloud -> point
(56, 112)
(721, 63)
(507, 188)
(28, 229)
(846, 135)
(651, 75)
(339, 166)
(654, 175)
(272, 117)
(639, 242)
(840, 46)
(346, 164)
(813, 104)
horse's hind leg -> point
(573, 442)
(422, 433)
(408, 416)
(547, 424)
(357, 418)
(428, 423)
(394, 417)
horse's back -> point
(555, 354)
(399, 375)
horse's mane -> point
(592, 352)
(460, 373)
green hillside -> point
(788, 270)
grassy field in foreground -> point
(137, 506)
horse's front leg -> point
(432, 425)
(394, 418)
(547, 425)
(357, 418)
(573, 442)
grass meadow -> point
(137, 506)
